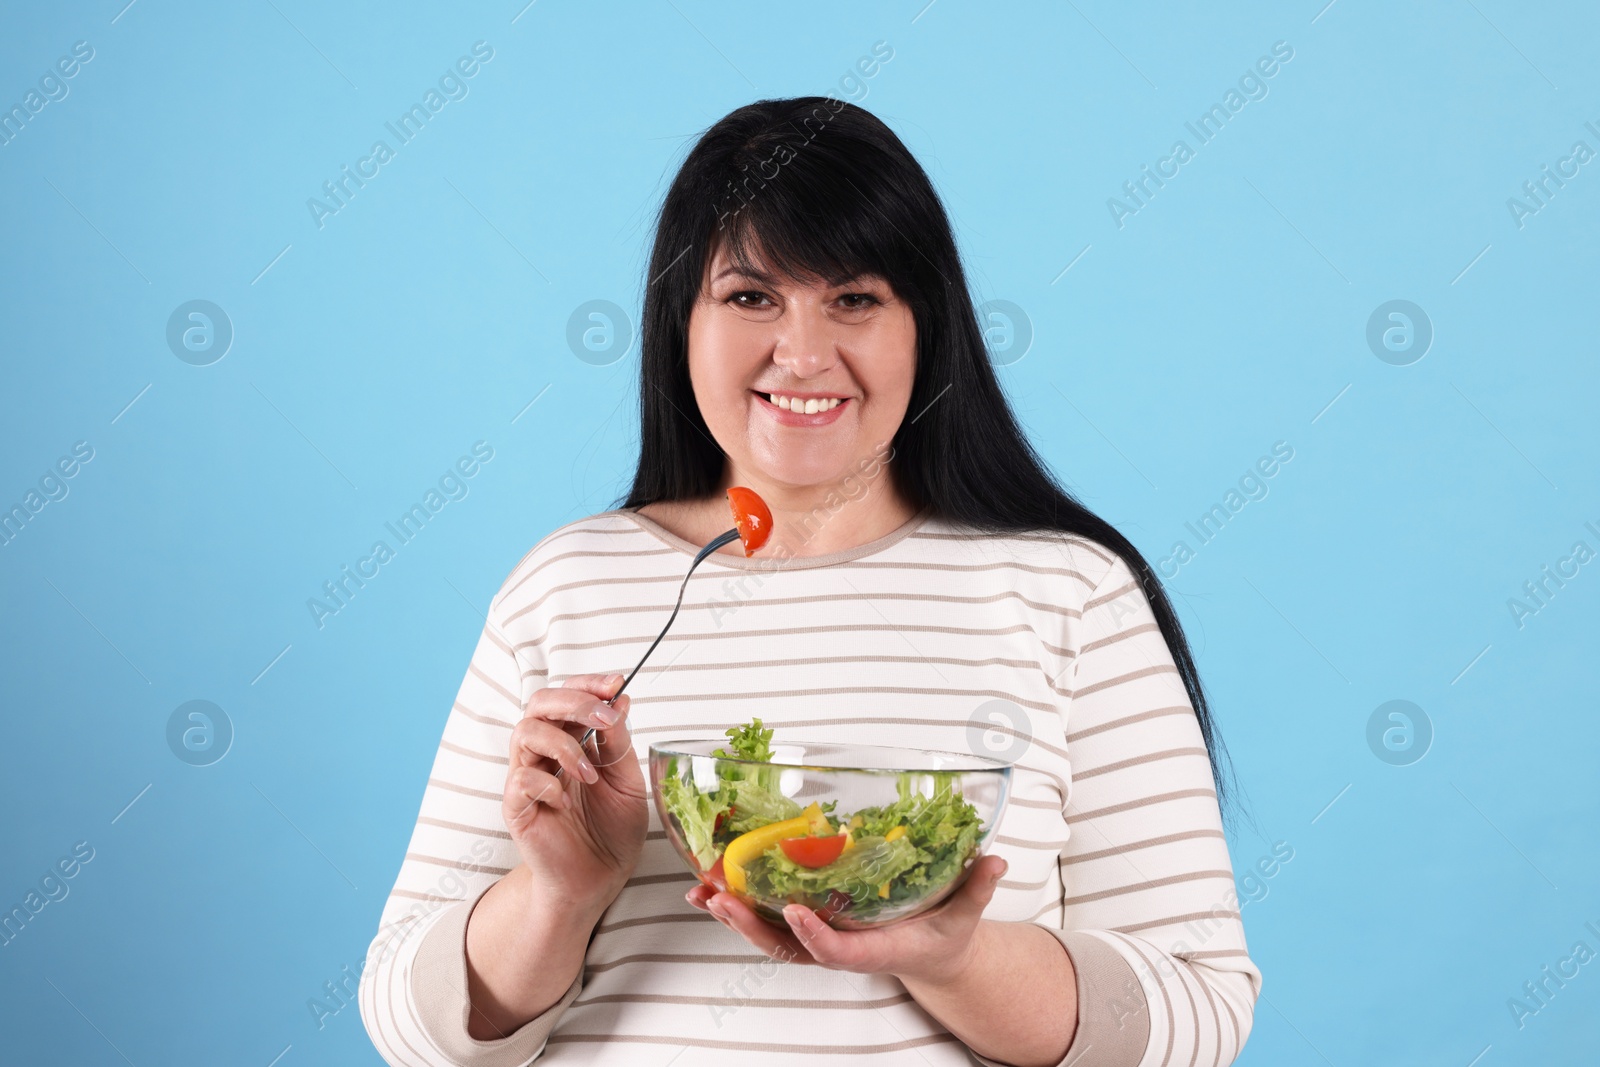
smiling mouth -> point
(801, 405)
(796, 415)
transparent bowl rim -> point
(990, 766)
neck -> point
(815, 520)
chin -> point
(819, 471)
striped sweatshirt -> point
(1038, 649)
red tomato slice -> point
(751, 516)
(813, 851)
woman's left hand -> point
(933, 947)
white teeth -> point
(807, 407)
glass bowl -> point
(913, 821)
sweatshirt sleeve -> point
(1151, 916)
(413, 992)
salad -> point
(757, 842)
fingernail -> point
(607, 716)
(590, 775)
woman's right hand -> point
(580, 835)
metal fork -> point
(716, 543)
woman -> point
(927, 584)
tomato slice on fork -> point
(751, 516)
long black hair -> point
(823, 189)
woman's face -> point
(751, 337)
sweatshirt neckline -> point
(758, 563)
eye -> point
(738, 302)
(868, 299)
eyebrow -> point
(766, 279)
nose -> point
(805, 342)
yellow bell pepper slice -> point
(747, 846)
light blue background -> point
(1227, 314)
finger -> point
(826, 945)
(614, 743)
(528, 787)
(578, 700)
(541, 744)
(756, 930)
(698, 896)
(968, 903)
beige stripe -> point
(681, 667)
(466, 790)
(485, 719)
(1122, 679)
(1042, 805)
(514, 701)
(911, 690)
(969, 568)
(1153, 883)
(1142, 802)
(1174, 920)
(657, 879)
(698, 580)
(645, 639)
(795, 601)
(675, 578)
(1148, 843)
(1132, 631)
(1238, 1034)
(673, 957)
(1027, 887)
(1054, 905)
(592, 553)
(576, 526)
(1214, 953)
(409, 895)
(1137, 761)
(463, 827)
(521, 661)
(1061, 539)
(1090, 605)
(759, 1046)
(1018, 842)
(1194, 1011)
(741, 1002)
(504, 761)
(1216, 1020)
(398, 976)
(475, 868)
(379, 1038)
(1115, 724)
(651, 920)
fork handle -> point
(716, 543)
